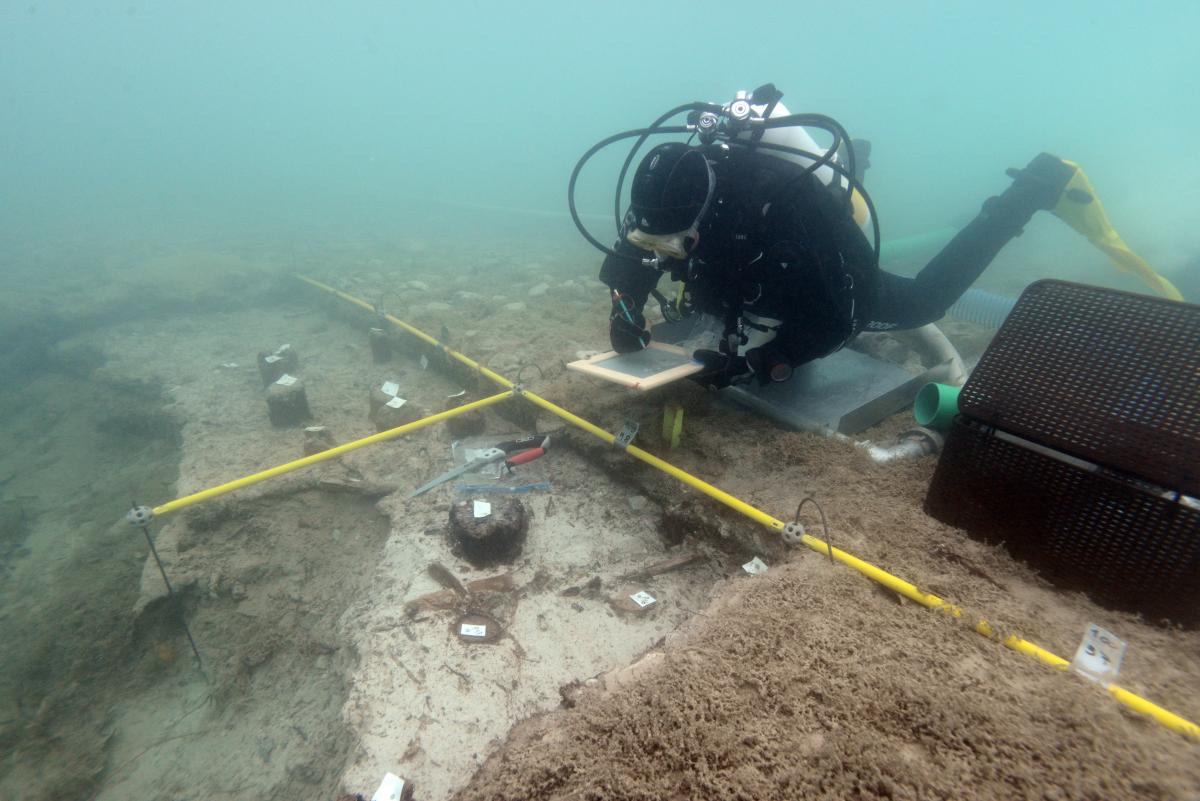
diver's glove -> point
(721, 370)
(769, 365)
(627, 326)
(761, 366)
(1039, 185)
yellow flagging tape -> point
(1135, 702)
(332, 453)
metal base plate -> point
(845, 392)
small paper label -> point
(390, 789)
(272, 359)
(755, 566)
(1099, 655)
(482, 508)
(424, 361)
(390, 388)
(396, 403)
(471, 630)
(283, 348)
(286, 380)
(642, 599)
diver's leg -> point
(912, 302)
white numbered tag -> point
(642, 599)
(482, 508)
(471, 630)
(396, 403)
(390, 388)
(1099, 655)
(286, 380)
(424, 361)
(755, 566)
(390, 789)
(272, 359)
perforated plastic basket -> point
(1111, 377)
(1078, 443)
(1122, 543)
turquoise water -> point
(158, 159)
(137, 120)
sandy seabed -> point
(330, 650)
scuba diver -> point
(764, 228)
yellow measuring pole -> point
(1135, 702)
(416, 332)
(332, 453)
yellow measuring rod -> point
(332, 453)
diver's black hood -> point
(670, 189)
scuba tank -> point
(798, 141)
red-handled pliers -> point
(513, 452)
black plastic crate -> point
(1078, 446)
(1108, 376)
(1121, 542)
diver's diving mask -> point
(670, 196)
(665, 246)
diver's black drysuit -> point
(779, 243)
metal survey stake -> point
(141, 516)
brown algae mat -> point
(808, 682)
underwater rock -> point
(317, 439)
(381, 346)
(538, 290)
(395, 412)
(488, 533)
(465, 425)
(380, 395)
(287, 402)
(271, 366)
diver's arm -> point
(797, 342)
(625, 273)
(631, 283)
